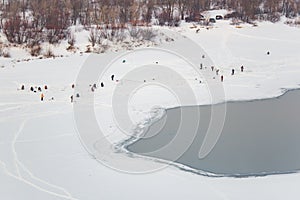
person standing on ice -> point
(242, 68)
(232, 72)
(222, 78)
(113, 77)
(42, 97)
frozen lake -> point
(259, 137)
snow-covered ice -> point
(41, 155)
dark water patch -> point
(260, 137)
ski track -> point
(19, 165)
(45, 139)
(263, 38)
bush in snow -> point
(54, 36)
(134, 32)
(49, 53)
(88, 49)
(101, 49)
(35, 50)
(120, 35)
(5, 53)
(71, 39)
(148, 34)
(93, 37)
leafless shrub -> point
(35, 50)
(71, 39)
(54, 36)
(175, 22)
(5, 53)
(293, 22)
(104, 33)
(148, 34)
(101, 49)
(134, 32)
(88, 49)
(297, 22)
(1, 48)
(49, 53)
(93, 37)
(111, 34)
(120, 35)
(272, 17)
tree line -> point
(33, 21)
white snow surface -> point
(41, 155)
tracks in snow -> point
(24, 175)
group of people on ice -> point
(213, 69)
(37, 89)
(94, 87)
(42, 90)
